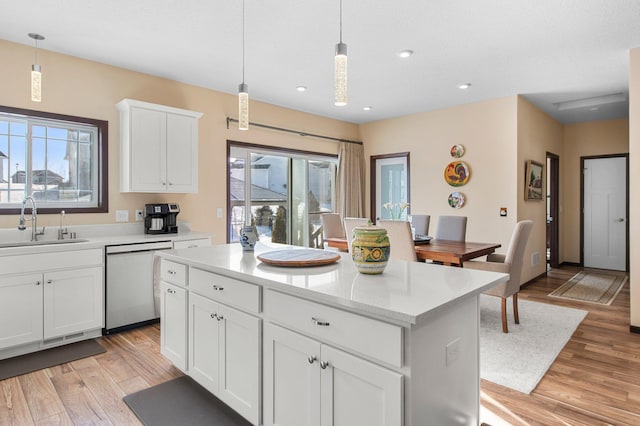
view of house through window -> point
(53, 161)
(282, 193)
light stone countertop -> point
(405, 293)
(96, 236)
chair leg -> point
(504, 315)
(516, 317)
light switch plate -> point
(139, 215)
(219, 212)
(122, 215)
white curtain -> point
(351, 180)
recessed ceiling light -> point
(301, 88)
(464, 86)
(367, 108)
(405, 53)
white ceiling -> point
(547, 50)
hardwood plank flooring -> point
(594, 381)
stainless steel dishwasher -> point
(129, 289)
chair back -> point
(349, 224)
(400, 238)
(453, 228)
(420, 222)
(331, 226)
(515, 254)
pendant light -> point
(36, 75)
(243, 90)
(340, 68)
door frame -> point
(597, 157)
(553, 198)
(372, 180)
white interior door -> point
(605, 213)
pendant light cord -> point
(243, 41)
(340, 21)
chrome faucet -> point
(62, 231)
(34, 219)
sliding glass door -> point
(281, 193)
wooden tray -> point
(299, 257)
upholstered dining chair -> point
(453, 228)
(331, 226)
(400, 238)
(350, 223)
(420, 222)
(510, 263)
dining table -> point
(450, 253)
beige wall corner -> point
(538, 134)
(634, 183)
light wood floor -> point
(594, 381)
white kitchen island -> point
(326, 345)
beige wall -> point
(537, 134)
(634, 183)
(487, 130)
(88, 89)
(581, 140)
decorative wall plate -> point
(456, 199)
(457, 151)
(457, 173)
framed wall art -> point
(533, 179)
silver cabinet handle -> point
(311, 359)
(171, 272)
(220, 317)
(216, 288)
(170, 291)
(214, 316)
(324, 364)
(320, 322)
(192, 246)
(38, 282)
(620, 219)
(49, 281)
(170, 183)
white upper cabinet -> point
(158, 148)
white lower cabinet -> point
(73, 301)
(36, 307)
(20, 309)
(173, 330)
(307, 383)
(224, 354)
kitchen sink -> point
(41, 243)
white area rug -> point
(520, 358)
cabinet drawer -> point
(226, 290)
(200, 242)
(172, 272)
(375, 338)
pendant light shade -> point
(340, 69)
(243, 90)
(243, 107)
(36, 74)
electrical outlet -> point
(535, 258)
(452, 352)
(219, 212)
(139, 215)
(122, 215)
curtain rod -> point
(297, 132)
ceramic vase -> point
(248, 238)
(370, 249)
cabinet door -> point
(204, 342)
(173, 324)
(240, 362)
(182, 153)
(356, 392)
(291, 378)
(200, 242)
(73, 301)
(148, 152)
(20, 309)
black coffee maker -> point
(161, 218)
